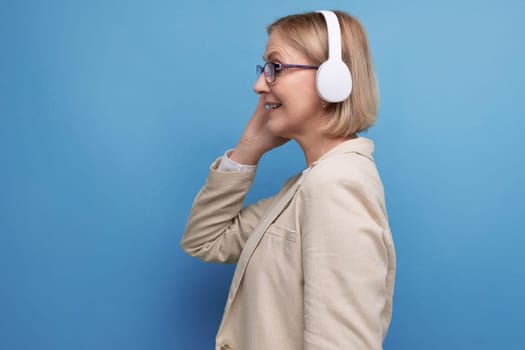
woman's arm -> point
(348, 263)
(217, 227)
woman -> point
(316, 262)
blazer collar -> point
(360, 145)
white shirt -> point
(227, 164)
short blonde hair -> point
(307, 33)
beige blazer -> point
(315, 263)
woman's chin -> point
(276, 129)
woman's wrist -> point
(245, 154)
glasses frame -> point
(271, 69)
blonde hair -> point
(307, 33)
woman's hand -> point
(256, 139)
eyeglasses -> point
(271, 69)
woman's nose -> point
(261, 86)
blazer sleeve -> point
(218, 227)
(346, 266)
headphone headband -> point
(334, 35)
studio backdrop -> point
(112, 111)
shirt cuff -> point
(227, 165)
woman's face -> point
(293, 107)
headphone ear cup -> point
(334, 81)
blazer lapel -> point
(256, 237)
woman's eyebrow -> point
(274, 55)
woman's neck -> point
(316, 147)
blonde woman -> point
(316, 262)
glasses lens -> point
(269, 72)
(258, 70)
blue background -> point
(111, 112)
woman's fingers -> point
(256, 139)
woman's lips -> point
(271, 106)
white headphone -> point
(334, 81)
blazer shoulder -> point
(342, 168)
